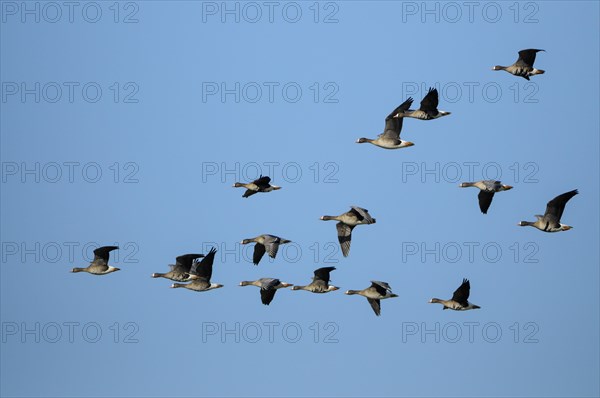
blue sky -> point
(132, 142)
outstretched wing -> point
(203, 269)
(185, 261)
(556, 206)
(376, 305)
(268, 290)
(259, 252)
(430, 102)
(461, 295)
(400, 109)
(485, 200)
(323, 274)
(344, 232)
(262, 181)
(101, 254)
(527, 57)
(393, 127)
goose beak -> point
(507, 187)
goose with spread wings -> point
(320, 282)
(428, 109)
(390, 138)
(265, 244)
(268, 288)
(459, 300)
(99, 266)
(374, 294)
(550, 221)
(487, 189)
(523, 66)
(261, 184)
(346, 223)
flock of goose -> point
(194, 271)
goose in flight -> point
(487, 189)
(524, 65)
(347, 222)
(428, 109)
(265, 243)
(200, 274)
(181, 269)
(550, 221)
(320, 282)
(268, 288)
(390, 138)
(262, 184)
(459, 300)
(374, 294)
(99, 266)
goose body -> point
(550, 221)
(346, 223)
(99, 266)
(268, 288)
(428, 109)
(262, 184)
(200, 274)
(181, 269)
(374, 294)
(320, 282)
(487, 189)
(523, 66)
(265, 244)
(390, 138)
(459, 300)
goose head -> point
(498, 67)
(564, 227)
(507, 187)
(406, 144)
(363, 140)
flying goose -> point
(99, 266)
(200, 274)
(487, 190)
(374, 293)
(524, 65)
(459, 301)
(265, 243)
(550, 221)
(390, 138)
(268, 288)
(259, 185)
(347, 222)
(181, 269)
(320, 282)
(428, 109)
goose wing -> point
(430, 102)
(203, 269)
(485, 200)
(461, 295)
(376, 305)
(344, 232)
(527, 57)
(556, 206)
